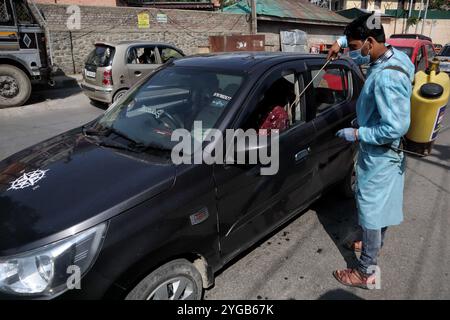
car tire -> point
(15, 86)
(349, 182)
(162, 284)
(119, 94)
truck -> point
(25, 59)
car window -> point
(407, 50)
(6, 17)
(430, 51)
(169, 53)
(23, 13)
(329, 88)
(420, 60)
(101, 56)
(174, 98)
(278, 106)
(142, 55)
(445, 51)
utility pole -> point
(420, 12)
(254, 18)
(425, 17)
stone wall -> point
(109, 3)
(188, 30)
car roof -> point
(240, 61)
(405, 42)
(134, 42)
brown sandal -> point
(354, 278)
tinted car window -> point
(276, 100)
(421, 61)
(329, 88)
(101, 56)
(430, 51)
(445, 51)
(406, 50)
(173, 98)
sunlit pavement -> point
(297, 261)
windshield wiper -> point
(133, 146)
(116, 146)
(106, 131)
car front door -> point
(141, 61)
(251, 204)
(332, 100)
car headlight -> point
(45, 271)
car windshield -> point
(407, 50)
(172, 98)
(445, 51)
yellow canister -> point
(429, 100)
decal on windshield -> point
(28, 179)
(221, 96)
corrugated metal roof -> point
(290, 10)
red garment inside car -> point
(278, 118)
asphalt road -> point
(296, 262)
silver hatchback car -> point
(111, 69)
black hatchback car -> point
(102, 211)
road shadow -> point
(99, 104)
(65, 86)
(339, 294)
(339, 218)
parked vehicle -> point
(410, 36)
(437, 47)
(106, 199)
(444, 58)
(111, 69)
(419, 50)
(23, 53)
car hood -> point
(69, 181)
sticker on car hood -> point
(28, 179)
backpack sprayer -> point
(430, 95)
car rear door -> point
(142, 60)
(332, 100)
(251, 204)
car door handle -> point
(301, 155)
(138, 73)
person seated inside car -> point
(147, 57)
(273, 111)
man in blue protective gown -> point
(383, 115)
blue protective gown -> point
(383, 113)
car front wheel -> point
(176, 280)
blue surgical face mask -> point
(358, 57)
